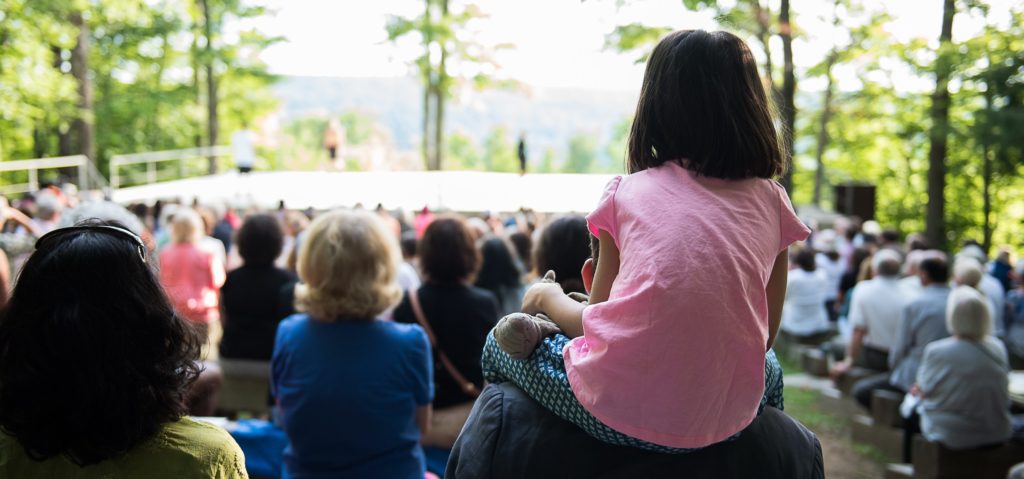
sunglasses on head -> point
(111, 230)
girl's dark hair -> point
(563, 247)
(93, 359)
(447, 251)
(499, 269)
(702, 101)
(260, 240)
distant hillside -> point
(548, 116)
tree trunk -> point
(935, 217)
(83, 124)
(823, 139)
(764, 36)
(196, 86)
(428, 87)
(440, 95)
(212, 126)
(986, 176)
(788, 93)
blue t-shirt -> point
(347, 393)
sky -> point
(557, 43)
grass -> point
(804, 405)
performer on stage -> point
(522, 153)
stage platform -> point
(465, 191)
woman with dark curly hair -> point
(95, 368)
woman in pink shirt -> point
(673, 351)
(192, 276)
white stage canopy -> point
(452, 190)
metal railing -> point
(190, 162)
(86, 172)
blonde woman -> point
(192, 276)
(353, 391)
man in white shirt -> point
(875, 309)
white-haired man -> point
(875, 309)
(991, 287)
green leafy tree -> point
(441, 29)
(463, 153)
(499, 152)
(582, 153)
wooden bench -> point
(934, 461)
(246, 387)
(885, 408)
(846, 381)
(814, 362)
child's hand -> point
(539, 294)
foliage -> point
(878, 130)
(582, 153)
(451, 60)
(142, 70)
(462, 152)
(500, 152)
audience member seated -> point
(509, 435)
(828, 260)
(94, 383)
(501, 274)
(991, 286)
(456, 315)
(922, 321)
(251, 292)
(804, 315)
(875, 309)
(192, 277)
(962, 381)
(564, 246)
(353, 390)
(1015, 330)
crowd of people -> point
(942, 329)
(631, 342)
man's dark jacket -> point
(509, 435)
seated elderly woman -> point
(95, 368)
(353, 391)
(962, 381)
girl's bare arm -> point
(776, 290)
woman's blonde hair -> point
(348, 263)
(967, 313)
(186, 226)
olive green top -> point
(183, 449)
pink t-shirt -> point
(676, 355)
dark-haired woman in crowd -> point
(563, 247)
(501, 274)
(95, 368)
(459, 316)
(251, 292)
